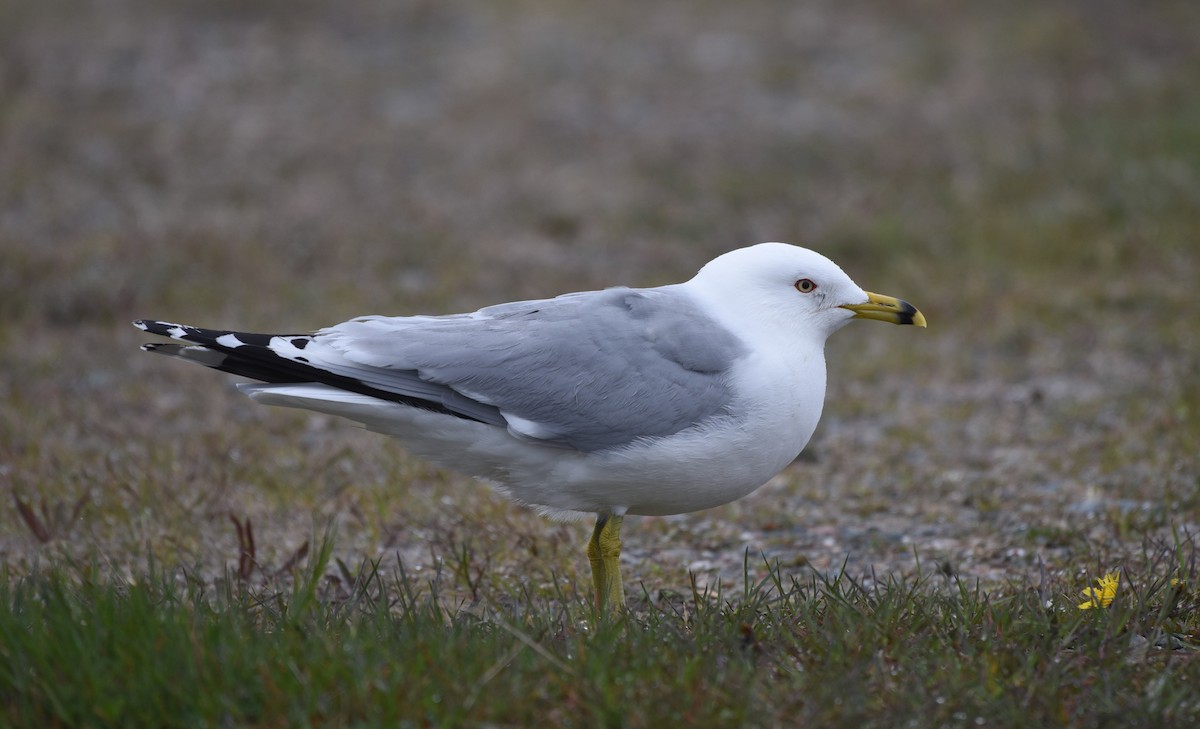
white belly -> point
(699, 468)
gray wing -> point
(587, 371)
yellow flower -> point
(1103, 596)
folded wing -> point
(586, 371)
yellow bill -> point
(887, 308)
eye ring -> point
(806, 286)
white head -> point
(792, 287)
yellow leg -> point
(604, 552)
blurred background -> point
(1026, 173)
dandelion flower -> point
(1101, 596)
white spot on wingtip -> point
(229, 340)
(176, 332)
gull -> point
(625, 401)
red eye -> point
(806, 286)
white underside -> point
(707, 465)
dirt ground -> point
(1028, 174)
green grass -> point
(387, 650)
